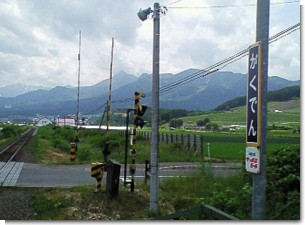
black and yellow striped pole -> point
(73, 149)
(133, 152)
(97, 171)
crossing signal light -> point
(139, 120)
(139, 110)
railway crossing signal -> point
(138, 121)
(139, 111)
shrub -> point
(84, 154)
(176, 123)
(283, 184)
(60, 143)
(203, 122)
(10, 131)
(66, 133)
(45, 132)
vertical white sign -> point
(252, 158)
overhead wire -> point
(173, 3)
(96, 109)
(284, 33)
(226, 61)
(227, 6)
(213, 68)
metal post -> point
(201, 147)
(133, 152)
(78, 87)
(259, 180)
(126, 145)
(154, 155)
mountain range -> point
(204, 93)
(16, 89)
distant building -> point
(277, 111)
(65, 122)
(43, 122)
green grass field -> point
(231, 194)
(290, 115)
(283, 131)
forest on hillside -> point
(281, 95)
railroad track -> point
(10, 152)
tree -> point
(203, 122)
(212, 126)
(176, 123)
(168, 115)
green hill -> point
(284, 94)
(280, 113)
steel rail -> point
(27, 137)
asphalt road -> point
(37, 175)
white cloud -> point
(284, 58)
(39, 39)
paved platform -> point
(36, 175)
(10, 173)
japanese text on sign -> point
(253, 96)
(252, 162)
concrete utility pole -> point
(259, 180)
(154, 155)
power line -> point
(226, 61)
(213, 68)
(173, 2)
(227, 6)
(97, 109)
(284, 33)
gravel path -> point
(15, 204)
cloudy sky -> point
(39, 39)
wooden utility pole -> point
(106, 151)
(78, 89)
